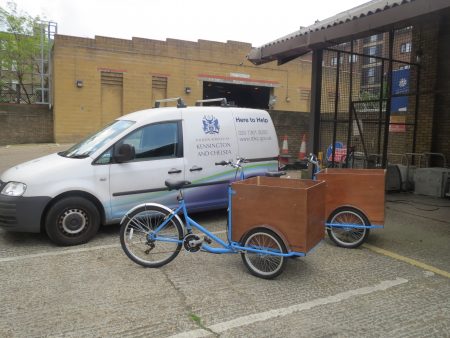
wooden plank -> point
(293, 208)
(363, 189)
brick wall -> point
(293, 125)
(441, 130)
(430, 41)
(21, 124)
(425, 44)
(78, 111)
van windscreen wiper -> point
(79, 156)
(66, 154)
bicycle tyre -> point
(348, 237)
(134, 232)
(262, 265)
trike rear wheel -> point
(263, 265)
(139, 247)
(348, 236)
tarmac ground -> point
(395, 285)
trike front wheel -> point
(140, 242)
(263, 265)
(348, 236)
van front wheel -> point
(72, 221)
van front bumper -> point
(22, 214)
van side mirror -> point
(124, 153)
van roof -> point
(168, 113)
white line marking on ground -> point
(281, 312)
(58, 253)
(69, 251)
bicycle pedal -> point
(207, 240)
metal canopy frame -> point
(372, 18)
(364, 20)
(376, 111)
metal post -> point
(42, 62)
(388, 101)
(380, 106)
(350, 104)
(336, 106)
(416, 110)
(316, 98)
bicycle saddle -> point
(275, 173)
(176, 184)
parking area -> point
(396, 285)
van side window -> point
(155, 141)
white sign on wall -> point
(245, 76)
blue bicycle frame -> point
(226, 247)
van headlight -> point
(14, 189)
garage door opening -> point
(239, 95)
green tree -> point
(23, 42)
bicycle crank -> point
(192, 243)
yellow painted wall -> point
(78, 111)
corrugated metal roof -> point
(369, 8)
(364, 20)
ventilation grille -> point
(159, 82)
(111, 78)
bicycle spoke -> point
(263, 264)
(348, 235)
(153, 251)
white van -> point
(69, 194)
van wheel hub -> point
(73, 221)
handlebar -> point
(313, 159)
(236, 164)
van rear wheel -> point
(72, 221)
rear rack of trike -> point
(269, 220)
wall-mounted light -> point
(187, 90)
(79, 83)
(288, 99)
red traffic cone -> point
(284, 147)
(302, 152)
(284, 155)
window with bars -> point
(371, 76)
(352, 58)
(405, 47)
(333, 60)
(373, 38)
(376, 50)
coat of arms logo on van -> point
(210, 125)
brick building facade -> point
(431, 46)
(97, 80)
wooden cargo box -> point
(359, 188)
(293, 208)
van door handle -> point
(174, 171)
(195, 168)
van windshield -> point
(97, 140)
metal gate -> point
(369, 100)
